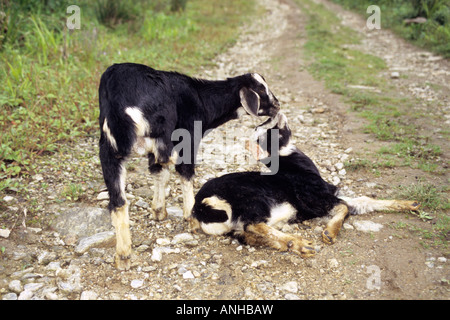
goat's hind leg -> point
(162, 177)
(114, 174)
(265, 235)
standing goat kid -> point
(141, 107)
(248, 205)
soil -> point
(392, 263)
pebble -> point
(290, 286)
(8, 198)
(89, 295)
(102, 239)
(367, 226)
(4, 233)
(137, 283)
(395, 75)
(15, 286)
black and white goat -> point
(248, 205)
(141, 107)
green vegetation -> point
(334, 58)
(50, 74)
(434, 34)
(356, 76)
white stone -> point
(137, 283)
(182, 237)
(4, 233)
(367, 226)
(188, 275)
(15, 286)
(290, 286)
(89, 295)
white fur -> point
(281, 214)
(109, 136)
(218, 228)
(141, 124)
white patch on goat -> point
(258, 78)
(141, 124)
(109, 136)
(281, 214)
(365, 204)
(217, 228)
(287, 150)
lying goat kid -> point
(140, 108)
(248, 205)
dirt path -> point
(169, 263)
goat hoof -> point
(328, 238)
(414, 206)
(123, 262)
(307, 252)
(159, 214)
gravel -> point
(72, 258)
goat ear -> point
(282, 120)
(249, 100)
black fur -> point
(168, 101)
(252, 195)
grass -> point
(433, 35)
(50, 74)
(357, 77)
(390, 119)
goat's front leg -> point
(162, 177)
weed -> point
(50, 75)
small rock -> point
(333, 263)
(8, 198)
(10, 296)
(142, 204)
(103, 196)
(182, 237)
(15, 286)
(46, 257)
(137, 283)
(339, 166)
(26, 295)
(188, 275)
(395, 75)
(442, 259)
(102, 239)
(291, 296)
(33, 286)
(336, 180)
(290, 286)
(4, 233)
(348, 226)
(163, 241)
(367, 226)
(89, 295)
(174, 212)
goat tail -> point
(362, 205)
